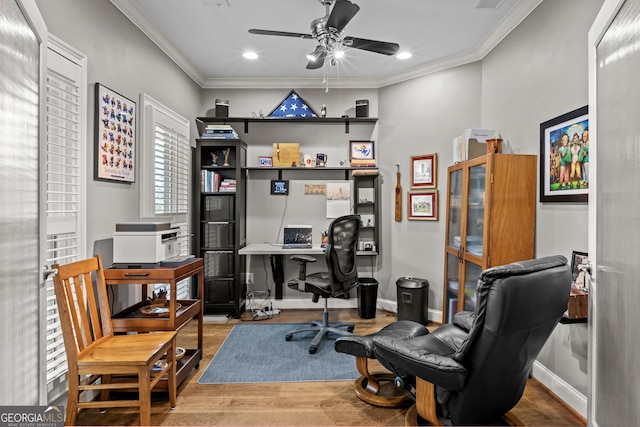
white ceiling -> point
(206, 38)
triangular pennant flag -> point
(293, 106)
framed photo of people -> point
(115, 152)
(564, 157)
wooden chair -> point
(94, 352)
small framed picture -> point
(423, 205)
(577, 258)
(424, 171)
(361, 150)
(265, 161)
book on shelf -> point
(210, 181)
(227, 185)
(362, 163)
(219, 132)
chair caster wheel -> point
(313, 350)
(350, 329)
(288, 337)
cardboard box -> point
(285, 154)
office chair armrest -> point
(303, 258)
(419, 361)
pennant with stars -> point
(293, 106)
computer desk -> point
(277, 253)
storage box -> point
(218, 235)
(475, 142)
(286, 154)
(219, 291)
(217, 208)
(218, 263)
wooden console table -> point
(131, 320)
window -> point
(165, 163)
(165, 173)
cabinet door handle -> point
(136, 274)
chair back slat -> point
(93, 309)
(84, 314)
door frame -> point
(600, 26)
(32, 14)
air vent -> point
(489, 4)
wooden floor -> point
(296, 404)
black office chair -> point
(474, 370)
(337, 282)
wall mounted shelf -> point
(200, 121)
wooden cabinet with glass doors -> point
(491, 203)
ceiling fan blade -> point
(341, 14)
(280, 33)
(375, 46)
(318, 63)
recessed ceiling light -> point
(250, 55)
(403, 55)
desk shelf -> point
(131, 318)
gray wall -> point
(122, 58)
(537, 73)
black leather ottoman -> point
(378, 389)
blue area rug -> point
(258, 353)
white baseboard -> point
(383, 304)
(569, 395)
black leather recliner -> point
(474, 370)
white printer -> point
(144, 244)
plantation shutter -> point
(166, 173)
(65, 104)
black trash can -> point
(367, 297)
(413, 299)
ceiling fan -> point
(328, 31)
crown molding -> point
(510, 21)
(134, 14)
(288, 83)
(515, 16)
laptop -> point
(297, 237)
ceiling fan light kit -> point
(328, 31)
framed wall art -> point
(564, 157)
(361, 150)
(424, 171)
(423, 205)
(115, 152)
